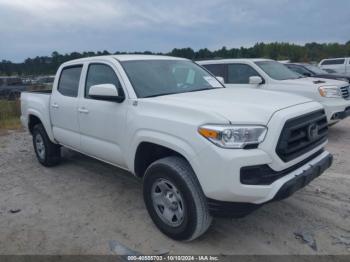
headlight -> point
(233, 136)
(329, 91)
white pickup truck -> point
(338, 65)
(268, 74)
(201, 149)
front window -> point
(152, 78)
(277, 70)
(100, 74)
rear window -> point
(333, 62)
(216, 69)
(240, 73)
(69, 81)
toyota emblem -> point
(312, 132)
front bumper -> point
(341, 115)
(308, 173)
(218, 169)
(334, 107)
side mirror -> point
(108, 92)
(307, 74)
(255, 80)
(220, 79)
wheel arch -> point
(35, 118)
(152, 146)
(147, 153)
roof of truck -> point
(145, 57)
(216, 61)
(126, 58)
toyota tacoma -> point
(201, 149)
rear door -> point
(102, 123)
(63, 107)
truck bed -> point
(36, 103)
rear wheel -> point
(174, 199)
(47, 153)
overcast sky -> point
(38, 27)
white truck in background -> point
(338, 65)
(201, 149)
(266, 74)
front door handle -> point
(54, 105)
(83, 110)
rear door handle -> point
(54, 105)
(83, 110)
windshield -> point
(277, 70)
(152, 78)
(300, 70)
(315, 69)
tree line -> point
(310, 52)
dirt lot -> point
(82, 205)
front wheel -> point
(47, 153)
(175, 200)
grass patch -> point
(10, 112)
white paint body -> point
(112, 131)
(339, 68)
(306, 86)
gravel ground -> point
(83, 205)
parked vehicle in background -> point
(44, 80)
(11, 87)
(268, 74)
(330, 71)
(10, 81)
(314, 71)
(339, 65)
(201, 149)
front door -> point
(102, 123)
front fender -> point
(163, 139)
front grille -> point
(345, 92)
(302, 134)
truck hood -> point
(315, 82)
(334, 76)
(237, 105)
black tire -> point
(52, 152)
(177, 171)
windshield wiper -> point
(163, 94)
(202, 89)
